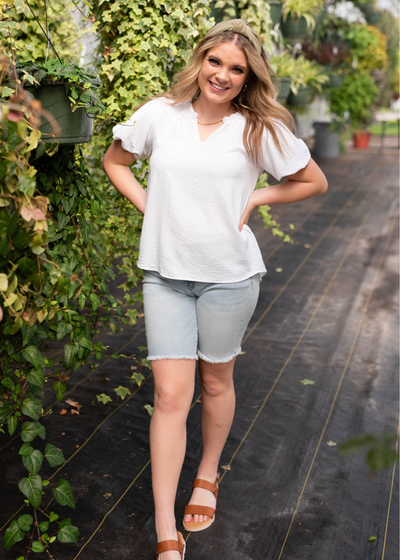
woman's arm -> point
(306, 183)
(116, 164)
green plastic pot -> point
(301, 98)
(336, 80)
(275, 11)
(76, 127)
(294, 28)
(284, 89)
(326, 143)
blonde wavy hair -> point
(257, 103)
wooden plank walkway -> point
(328, 312)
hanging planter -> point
(326, 143)
(275, 11)
(361, 139)
(68, 94)
(284, 89)
(301, 98)
(294, 28)
(76, 126)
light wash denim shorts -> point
(191, 320)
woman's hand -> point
(254, 201)
(305, 183)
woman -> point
(210, 137)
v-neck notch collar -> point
(215, 133)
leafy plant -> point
(302, 8)
(367, 47)
(356, 98)
(380, 454)
(53, 274)
(283, 64)
(308, 73)
(24, 27)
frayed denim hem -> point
(172, 358)
(218, 360)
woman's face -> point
(223, 73)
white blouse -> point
(197, 191)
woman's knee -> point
(169, 398)
(216, 379)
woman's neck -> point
(210, 112)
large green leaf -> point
(30, 430)
(34, 356)
(37, 546)
(63, 494)
(85, 342)
(70, 352)
(31, 487)
(12, 535)
(25, 521)
(12, 424)
(33, 462)
(59, 389)
(63, 328)
(53, 455)
(36, 377)
(94, 298)
(26, 449)
(32, 408)
(67, 532)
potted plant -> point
(68, 93)
(308, 77)
(275, 11)
(357, 97)
(284, 67)
(327, 137)
(298, 17)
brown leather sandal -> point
(179, 545)
(193, 509)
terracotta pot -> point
(361, 139)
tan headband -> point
(237, 26)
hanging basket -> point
(76, 126)
(361, 139)
(275, 11)
(302, 98)
(294, 28)
(284, 89)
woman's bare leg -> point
(217, 411)
(173, 394)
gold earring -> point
(244, 88)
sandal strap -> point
(199, 510)
(164, 546)
(200, 483)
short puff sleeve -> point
(295, 154)
(137, 135)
